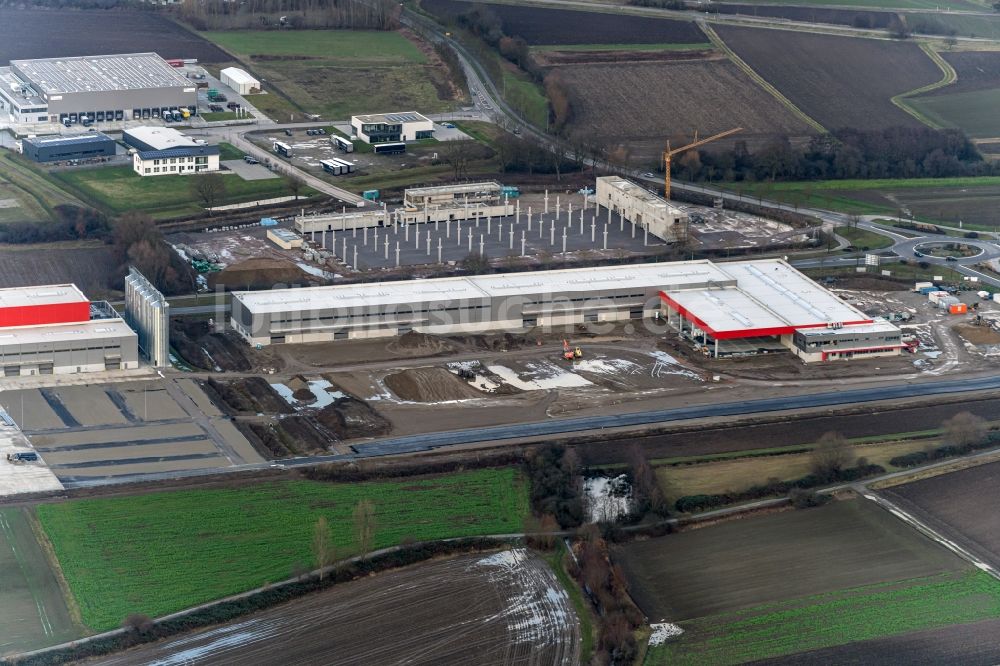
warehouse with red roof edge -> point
(55, 329)
(732, 308)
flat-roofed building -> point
(55, 329)
(642, 208)
(63, 148)
(392, 127)
(239, 80)
(99, 88)
(760, 304)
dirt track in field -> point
(483, 609)
(953, 503)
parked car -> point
(215, 108)
(250, 159)
(288, 132)
(233, 105)
(321, 131)
(950, 259)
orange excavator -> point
(571, 353)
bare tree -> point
(364, 524)
(295, 186)
(323, 549)
(208, 188)
(965, 429)
(831, 454)
(456, 155)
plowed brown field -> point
(838, 81)
(506, 608)
(645, 104)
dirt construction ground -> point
(507, 608)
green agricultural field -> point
(973, 200)
(119, 189)
(337, 73)
(826, 620)
(17, 205)
(864, 239)
(973, 112)
(163, 552)
(788, 582)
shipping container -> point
(920, 286)
(958, 308)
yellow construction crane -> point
(669, 153)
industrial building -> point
(725, 309)
(420, 204)
(161, 151)
(55, 330)
(392, 127)
(454, 202)
(642, 208)
(63, 148)
(97, 88)
(239, 80)
(148, 312)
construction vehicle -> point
(669, 153)
(571, 353)
(22, 456)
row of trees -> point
(895, 152)
(137, 241)
(353, 14)
(484, 23)
(325, 551)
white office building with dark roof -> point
(102, 88)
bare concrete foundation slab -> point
(26, 477)
(166, 450)
(30, 410)
(90, 406)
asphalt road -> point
(428, 441)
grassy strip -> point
(228, 151)
(862, 238)
(702, 46)
(760, 80)
(211, 116)
(342, 46)
(119, 189)
(825, 620)
(584, 611)
(162, 552)
(872, 184)
(948, 76)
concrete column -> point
(387, 247)
(354, 231)
(564, 241)
(569, 213)
(470, 241)
(500, 231)
(522, 243)
(406, 230)
(416, 239)
(458, 231)
(645, 235)
(489, 224)
(546, 202)
(605, 237)
(717, 348)
(439, 249)
(343, 252)
(581, 221)
(481, 243)
(511, 233)
(541, 226)
(552, 234)
(333, 240)
(355, 263)
(557, 207)
(529, 218)
(375, 231)
(593, 230)
(397, 254)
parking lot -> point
(92, 432)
